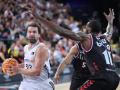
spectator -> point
(16, 51)
(3, 53)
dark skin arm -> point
(81, 36)
(110, 18)
(61, 31)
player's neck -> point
(97, 34)
(32, 45)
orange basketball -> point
(9, 62)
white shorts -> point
(45, 85)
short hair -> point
(34, 25)
(95, 26)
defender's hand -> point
(110, 17)
(56, 78)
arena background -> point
(66, 13)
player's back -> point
(99, 57)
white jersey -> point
(29, 55)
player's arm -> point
(116, 58)
(21, 65)
(84, 38)
(66, 61)
(109, 30)
(81, 36)
(41, 56)
(0, 69)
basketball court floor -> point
(65, 86)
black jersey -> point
(79, 62)
(99, 57)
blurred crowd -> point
(14, 20)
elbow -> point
(37, 72)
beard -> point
(32, 40)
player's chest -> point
(29, 55)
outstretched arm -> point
(109, 30)
(61, 31)
(67, 60)
(85, 39)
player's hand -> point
(12, 70)
(56, 78)
(110, 17)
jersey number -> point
(28, 66)
(108, 58)
(83, 64)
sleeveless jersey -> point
(99, 57)
(29, 56)
(79, 62)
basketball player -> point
(81, 72)
(97, 53)
(76, 56)
(36, 63)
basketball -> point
(7, 63)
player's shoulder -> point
(74, 49)
(42, 45)
(42, 48)
(25, 47)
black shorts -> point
(77, 81)
(106, 80)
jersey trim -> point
(78, 49)
(90, 45)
